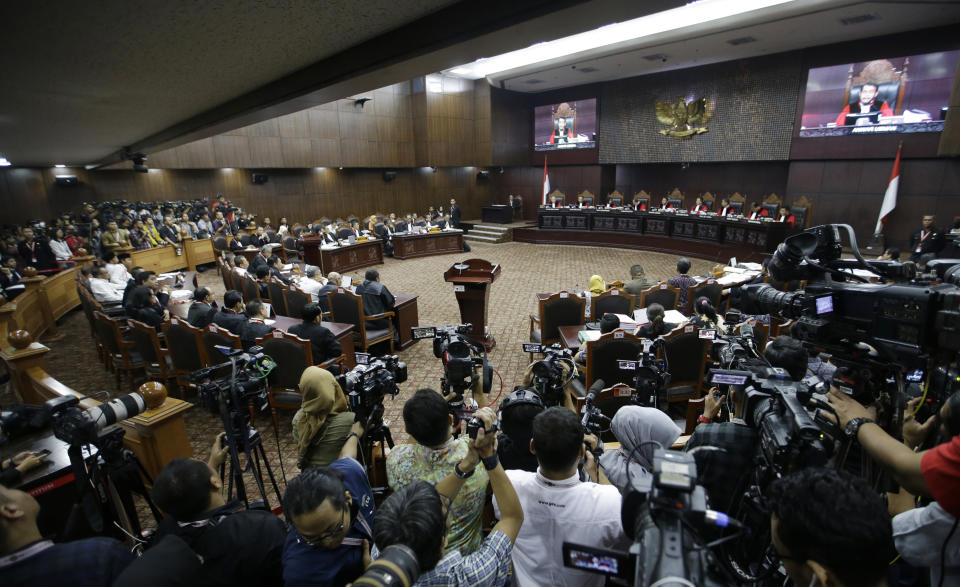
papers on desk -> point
(328, 247)
(737, 278)
(269, 322)
(752, 266)
(266, 307)
(627, 322)
(671, 316)
(179, 294)
(287, 267)
(167, 275)
(588, 335)
(345, 281)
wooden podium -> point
(470, 280)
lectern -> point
(470, 283)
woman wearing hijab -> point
(322, 424)
(637, 429)
(596, 285)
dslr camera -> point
(366, 385)
(548, 377)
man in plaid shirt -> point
(682, 281)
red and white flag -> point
(890, 196)
(546, 182)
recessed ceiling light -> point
(692, 14)
(59, 165)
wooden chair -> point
(292, 355)
(122, 359)
(289, 249)
(772, 204)
(251, 291)
(557, 196)
(738, 202)
(663, 293)
(676, 198)
(227, 275)
(347, 307)
(615, 199)
(587, 196)
(155, 358)
(604, 354)
(560, 309)
(613, 301)
(801, 210)
(277, 288)
(694, 410)
(709, 289)
(183, 343)
(686, 356)
(709, 201)
(212, 336)
(641, 198)
(294, 299)
(891, 83)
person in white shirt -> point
(102, 289)
(283, 228)
(308, 284)
(59, 247)
(558, 507)
(119, 276)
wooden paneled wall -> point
(299, 194)
(753, 180)
(527, 182)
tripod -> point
(242, 437)
(377, 433)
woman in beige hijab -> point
(322, 424)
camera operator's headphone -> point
(521, 396)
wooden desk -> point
(342, 332)
(406, 316)
(180, 307)
(406, 246)
(570, 336)
(344, 258)
(497, 213)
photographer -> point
(830, 528)
(637, 429)
(517, 412)
(926, 537)
(331, 510)
(323, 422)
(415, 516)
(558, 507)
(436, 453)
(234, 545)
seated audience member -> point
(323, 422)
(830, 528)
(433, 456)
(237, 546)
(333, 282)
(657, 326)
(101, 288)
(117, 273)
(236, 246)
(131, 283)
(891, 254)
(558, 507)
(10, 278)
(757, 211)
(149, 279)
(638, 281)
(27, 560)
(308, 284)
(323, 345)
(143, 306)
(377, 299)
(262, 273)
(231, 316)
(260, 259)
(414, 516)
(240, 265)
(331, 512)
(926, 537)
(276, 268)
(58, 246)
(596, 285)
(787, 216)
(608, 323)
(255, 327)
(682, 281)
(706, 315)
(517, 412)
(202, 310)
(637, 429)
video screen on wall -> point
(567, 125)
(892, 95)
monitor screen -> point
(893, 95)
(567, 125)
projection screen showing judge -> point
(568, 125)
(894, 95)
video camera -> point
(366, 385)
(661, 517)
(548, 377)
(461, 356)
(76, 426)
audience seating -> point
(709, 289)
(292, 355)
(686, 356)
(347, 307)
(183, 343)
(212, 336)
(277, 288)
(612, 301)
(560, 309)
(294, 299)
(663, 293)
(604, 354)
(609, 400)
(121, 359)
(251, 291)
(155, 358)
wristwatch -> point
(853, 426)
(490, 463)
(461, 474)
(703, 419)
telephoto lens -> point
(397, 565)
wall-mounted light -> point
(59, 165)
(4, 162)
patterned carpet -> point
(526, 270)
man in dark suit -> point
(376, 299)
(454, 214)
(261, 259)
(322, 343)
(333, 282)
(201, 311)
(927, 239)
(276, 267)
(33, 252)
(230, 316)
(255, 327)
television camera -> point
(366, 385)
(461, 358)
(549, 378)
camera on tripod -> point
(76, 426)
(248, 377)
(461, 356)
(548, 377)
(662, 517)
(366, 386)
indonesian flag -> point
(546, 182)
(890, 197)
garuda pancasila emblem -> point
(684, 119)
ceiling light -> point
(692, 14)
(4, 162)
(59, 165)
(434, 84)
(227, 170)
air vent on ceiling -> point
(858, 19)
(533, 82)
(742, 40)
(588, 69)
(655, 57)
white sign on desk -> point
(459, 288)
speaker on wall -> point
(259, 178)
(483, 174)
(389, 175)
(66, 180)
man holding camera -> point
(558, 507)
(204, 539)
(417, 517)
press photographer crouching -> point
(203, 539)
(323, 422)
